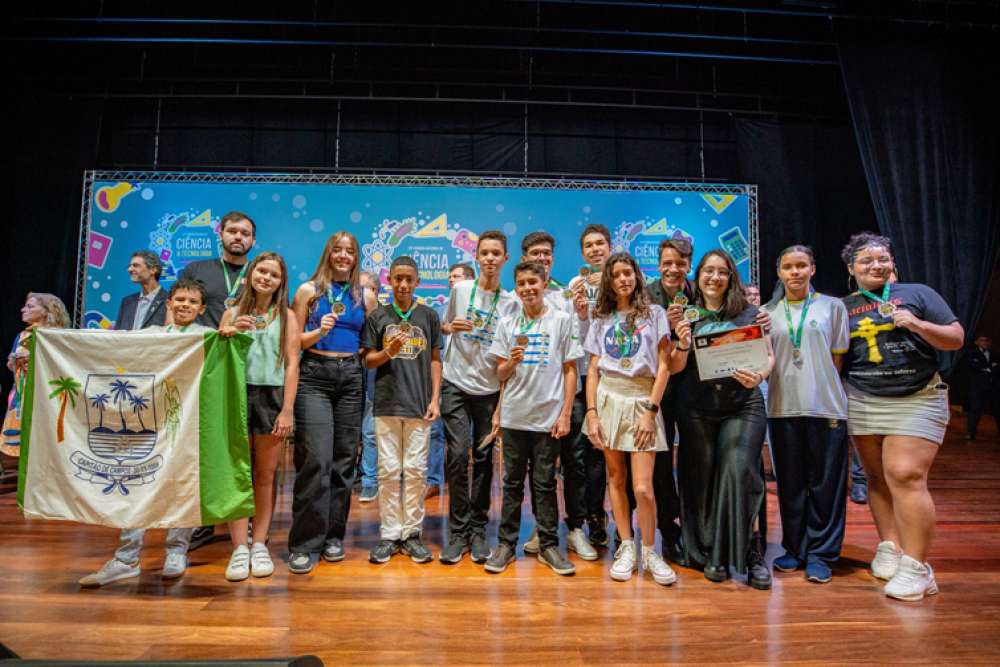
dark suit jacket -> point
(155, 316)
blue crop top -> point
(346, 335)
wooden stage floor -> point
(402, 613)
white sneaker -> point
(886, 560)
(662, 573)
(113, 570)
(624, 565)
(174, 565)
(912, 581)
(578, 542)
(261, 564)
(532, 546)
(239, 564)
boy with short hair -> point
(536, 351)
(185, 303)
(402, 341)
(470, 392)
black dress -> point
(722, 426)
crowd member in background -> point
(329, 403)
(539, 247)
(722, 428)
(595, 248)
(147, 307)
(186, 304)
(222, 278)
(39, 310)
(536, 353)
(402, 342)
(897, 407)
(470, 394)
(753, 298)
(272, 369)
(984, 385)
(808, 414)
(629, 347)
(369, 449)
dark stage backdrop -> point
(930, 145)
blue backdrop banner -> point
(436, 221)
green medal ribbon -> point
(881, 299)
(340, 296)
(230, 286)
(182, 329)
(404, 316)
(796, 333)
(525, 324)
(555, 284)
(493, 306)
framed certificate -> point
(721, 353)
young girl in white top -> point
(272, 378)
(629, 347)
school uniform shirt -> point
(625, 354)
(534, 394)
(209, 272)
(466, 365)
(885, 360)
(403, 385)
(809, 386)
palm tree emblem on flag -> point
(66, 389)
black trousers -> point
(668, 504)
(467, 420)
(595, 473)
(722, 482)
(328, 409)
(573, 450)
(980, 398)
(531, 453)
(810, 464)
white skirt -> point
(921, 415)
(618, 410)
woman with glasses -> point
(722, 423)
(897, 406)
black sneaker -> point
(480, 549)
(502, 556)
(457, 546)
(383, 551)
(202, 536)
(334, 550)
(598, 527)
(553, 558)
(758, 573)
(415, 549)
(301, 563)
(859, 494)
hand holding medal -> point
(905, 319)
(244, 323)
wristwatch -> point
(650, 406)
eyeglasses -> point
(711, 272)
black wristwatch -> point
(650, 406)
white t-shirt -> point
(622, 354)
(533, 396)
(465, 363)
(811, 387)
(583, 326)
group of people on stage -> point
(592, 378)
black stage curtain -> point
(929, 140)
(811, 190)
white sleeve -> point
(500, 347)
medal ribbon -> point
(340, 296)
(623, 336)
(796, 334)
(525, 325)
(881, 299)
(230, 287)
(404, 316)
(182, 329)
(493, 306)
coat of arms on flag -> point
(136, 429)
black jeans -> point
(595, 473)
(981, 398)
(721, 481)
(467, 420)
(534, 452)
(328, 409)
(810, 464)
(573, 448)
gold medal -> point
(626, 363)
(680, 299)
(478, 322)
(230, 302)
(886, 309)
(585, 271)
(692, 315)
(796, 354)
(567, 294)
(522, 341)
(338, 308)
(260, 322)
(405, 327)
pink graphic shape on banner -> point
(98, 247)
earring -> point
(850, 277)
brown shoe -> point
(432, 491)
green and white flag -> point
(135, 429)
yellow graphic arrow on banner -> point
(719, 203)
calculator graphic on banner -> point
(735, 244)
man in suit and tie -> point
(147, 307)
(984, 384)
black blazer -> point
(155, 316)
(985, 374)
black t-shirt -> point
(723, 394)
(403, 385)
(669, 402)
(884, 360)
(208, 272)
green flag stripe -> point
(27, 398)
(224, 461)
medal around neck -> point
(229, 302)
(260, 322)
(522, 341)
(626, 363)
(405, 327)
(338, 308)
(886, 309)
(585, 271)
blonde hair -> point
(323, 275)
(56, 316)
